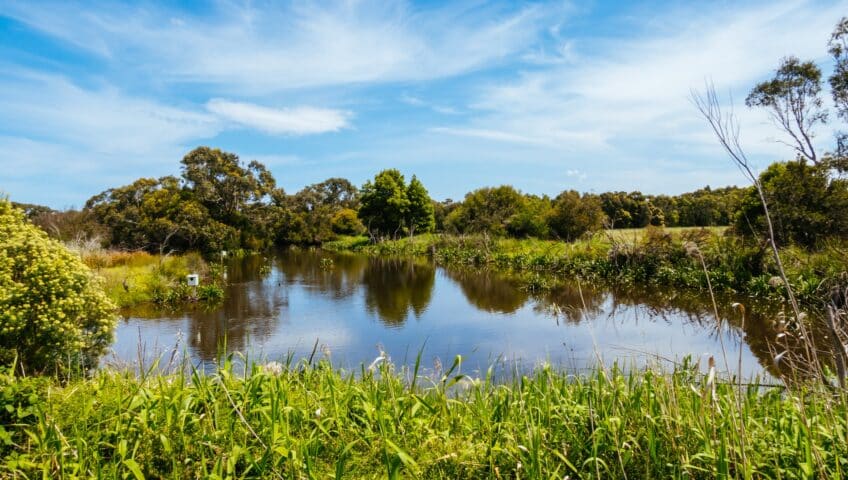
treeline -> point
(220, 203)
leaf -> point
(134, 468)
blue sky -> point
(545, 96)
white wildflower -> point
(273, 368)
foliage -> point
(419, 214)
(625, 210)
(67, 226)
(645, 257)
(806, 205)
(573, 215)
(136, 278)
(441, 211)
(223, 184)
(838, 80)
(22, 399)
(793, 100)
(311, 421)
(487, 210)
(160, 216)
(53, 313)
(389, 207)
(346, 222)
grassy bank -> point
(318, 422)
(135, 278)
(645, 257)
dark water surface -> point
(355, 305)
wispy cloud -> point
(418, 102)
(283, 121)
(292, 45)
(102, 118)
(629, 98)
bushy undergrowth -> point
(302, 421)
(53, 314)
(650, 256)
(133, 278)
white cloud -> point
(576, 174)
(418, 102)
(284, 121)
(630, 96)
(102, 119)
(299, 45)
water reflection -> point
(394, 289)
(283, 302)
(488, 291)
(337, 275)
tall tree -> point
(838, 47)
(793, 99)
(384, 204)
(419, 213)
(223, 184)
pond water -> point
(355, 306)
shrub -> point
(345, 222)
(806, 205)
(573, 215)
(52, 311)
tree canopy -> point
(389, 207)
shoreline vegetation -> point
(133, 279)
(303, 420)
(689, 258)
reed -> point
(311, 420)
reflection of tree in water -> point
(571, 302)
(250, 312)
(489, 291)
(394, 287)
(335, 274)
(757, 329)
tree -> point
(805, 205)
(384, 204)
(441, 211)
(159, 216)
(309, 216)
(794, 103)
(531, 219)
(52, 311)
(336, 193)
(346, 222)
(626, 210)
(573, 215)
(224, 185)
(838, 47)
(487, 210)
(419, 212)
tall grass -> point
(132, 278)
(312, 421)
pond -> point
(353, 306)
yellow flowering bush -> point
(53, 313)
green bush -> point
(21, 398)
(806, 205)
(345, 222)
(52, 311)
